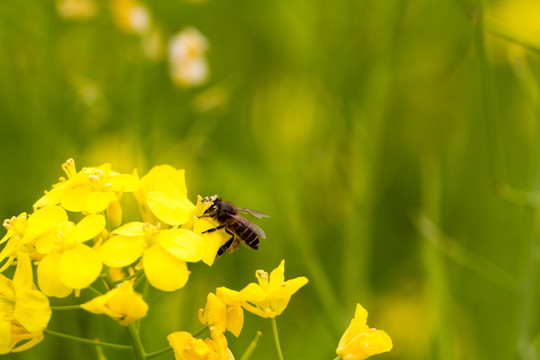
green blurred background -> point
(395, 145)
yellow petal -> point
(134, 228)
(213, 241)
(23, 274)
(172, 211)
(32, 310)
(89, 227)
(120, 251)
(277, 276)
(253, 293)
(43, 220)
(125, 182)
(182, 244)
(215, 313)
(75, 199)
(165, 179)
(290, 287)
(98, 201)
(5, 336)
(235, 319)
(49, 277)
(79, 267)
(164, 271)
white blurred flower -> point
(188, 64)
(132, 16)
(78, 10)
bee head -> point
(214, 199)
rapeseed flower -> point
(90, 190)
(359, 341)
(68, 263)
(164, 253)
(269, 297)
(220, 316)
(187, 58)
(121, 303)
(23, 231)
(24, 311)
(187, 347)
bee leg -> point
(208, 215)
(227, 245)
(214, 229)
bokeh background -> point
(395, 145)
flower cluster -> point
(77, 239)
(224, 311)
(76, 235)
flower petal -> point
(98, 201)
(124, 182)
(134, 228)
(75, 199)
(49, 277)
(182, 244)
(79, 267)
(89, 227)
(32, 310)
(120, 251)
(164, 271)
(172, 211)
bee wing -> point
(255, 213)
(250, 225)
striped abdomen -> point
(244, 233)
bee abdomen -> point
(246, 234)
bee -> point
(234, 224)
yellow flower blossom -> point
(24, 311)
(162, 197)
(359, 341)
(91, 190)
(269, 297)
(167, 185)
(187, 347)
(68, 263)
(164, 252)
(23, 231)
(220, 316)
(121, 303)
(187, 61)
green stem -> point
(159, 352)
(136, 341)
(200, 332)
(134, 275)
(87, 341)
(96, 291)
(276, 338)
(65, 307)
(251, 347)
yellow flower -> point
(163, 195)
(220, 316)
(359, 341)
(91, 190)
(23, 231)
(121, 303)
(187, 61)
(269, 297)
(68, 263)
(24, 311)
(164, 252)
(187, 347)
